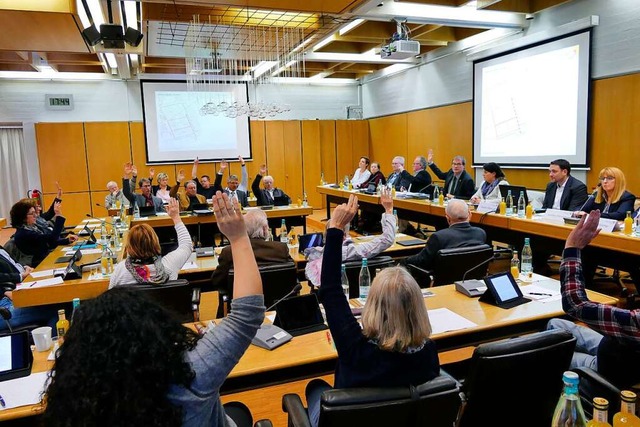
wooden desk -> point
(311, 355)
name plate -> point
(488, 206)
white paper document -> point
(40, 283)
(22, 391)
(189, 265)
(444, 320)
(540, 293)
(43, 273)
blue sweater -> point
(362, 363)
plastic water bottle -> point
(436, 193)
(136, 210)
(305, 201)
(345, 281)
(104, 237)
(105, 260)
(526, 263)
(568, 412)
(521, 205)
(76, 307)
(510, 207)
(284, 237)
(364, 281)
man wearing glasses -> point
(399, 179)
(457, 182)
(143, 199)
(564, 191)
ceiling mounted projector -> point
(112, 36)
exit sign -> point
(59, 102)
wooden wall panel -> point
(293, 169)
(312, 162)
(274, 141)
(108, 148)
(328, 150)
(75, 206)
(346, 164)
(388, 139)
(258, 148)
(360, 139)
(98, 197)
(62, 157)
(615, 129)
(532, 179)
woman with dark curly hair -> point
(31, 239)
(126, 362)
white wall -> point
(450, 80)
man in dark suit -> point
(420, 182)
(399, 178)
(143, 199)
(457, 182)
(232, 189)
(564, 191)
(459, 234)
(270, 193)
(266, 252)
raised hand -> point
(59, 196)
(128, 168)
(196, 162)
(586, 230)
(263, 170)
(57, 208)
(241, 160)
(386, 200)
(430, 156)
(173, 209)
(344, 213)
(223, 165)
(152, 172)
(229, 217)
(181, 175)
(134, 170)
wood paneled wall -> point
(83, 157)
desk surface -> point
(492, 323)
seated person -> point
(33, 240)
(204, 184)
(189, 196)
(362, 174)
(232, 190)
(457, 182)
(143, 199)
(612, 198)
(459, 234)
(270, 193)
(351, 251)
(13, 273)
(266, 252)
(490, 188)
(45, 220)
(610, 343)
(564, 191)
(393, 348)
(376, 176)
(399, 178)
(125, 360)
(143, 262)
(162, 190)
(420, 181)
(117, 195)
(369, 221)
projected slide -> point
(531, 106)
(177, 131)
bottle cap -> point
(570, 377)
(600, 403)
(628, 396)
(61, 311)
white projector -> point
(400, 49)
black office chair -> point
(452, 264)
(434, 403)
(499, 384)
(277, 281)
(177, 296)
(241, 415)
(353, 271)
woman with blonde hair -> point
(612, 198)
(393, 348)
(163, 188)
(143, 262)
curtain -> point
(13, 169)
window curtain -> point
(13, 169)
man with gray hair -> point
(457, 182)
(189, 197)
(459, 234)
(399, 178)
(266, 252)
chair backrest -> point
(15, 253)
(353, 271)
(434, 403)
(451, 264)
(277, 280)
(177, 296)
(506, 376)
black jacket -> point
(573, 196)
(261, 195)
(404, 180)
(465, 188)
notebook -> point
(281, 201)
(300, 315)
(410, 242)
(515, 192)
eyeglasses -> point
(607, 178)
(31, 214)
(146, 185)
(456, 164)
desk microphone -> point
(295, 289)
(6, 315)
(472, 287)
(591, 196)
(100, 219)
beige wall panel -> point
(293, 165)
(108, 148)
(388, 139)
(532, 179)
(258, 148)
(98, 197)
(311, 152)
(75, 206)
(328, 150)
(345, 162)
(360, 140)
(615, 129)
(274, 133)
(62, 157)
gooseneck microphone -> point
(493, 256)
(591, 196)
(295, 289)
(475, 287)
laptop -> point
(146, 211)
(309, 241)
(16, 356)
(503, 291)
(201, 209)
(280, 201)
(411, 242)
(77, 255)
(515, 192)
(300, 315)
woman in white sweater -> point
(362, 174)
(143, 262)
(493, 178)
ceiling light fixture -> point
(350, 26)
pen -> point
(329, 340)
(2, 403)
(538, 293)
(33, 284)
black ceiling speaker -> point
(91, 35)
(133, 36)
(112, 36)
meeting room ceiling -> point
(331, 38)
